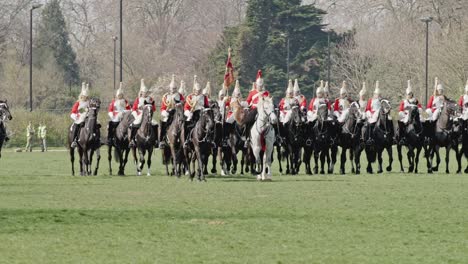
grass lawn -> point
(47, 216)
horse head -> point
(266, 110)
(322, 112)
(353, 111)
(385, 107)
(218, 117)
(5, 110)
(413, 112)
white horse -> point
(263, 132)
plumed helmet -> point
(290, 88)
(119, 91)
(440, 87)
(182, 88)
(325, 89)
(222, 92)
(320, 88)
(259, 81)
(409, 90)
(173, 85)
(207, 90)
(466, 86)
(363, 89)
(377, 89)
(343, 88)
(84, 91)
(143, 87)
(237, 92)
(196, 85)
(296, 87)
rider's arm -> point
(431, 101)
(402, 106)
(135, 104)
(163, 104)
(460, 102)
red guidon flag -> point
(229, 75)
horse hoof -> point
(315, 171)
(358, 172)
(214, 171)
(447, 171)
(353, 170)
(458, 171)
(342, 172)
(389, 169)
(415, 171)
(466, 170)
(148, 174)
(322, 172)
(380, 171)
(435, 169)
(259, 177)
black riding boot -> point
(162, 135)
(76, 132)
(133, 131)
(401, 139)
(111, 132)
(4, 132)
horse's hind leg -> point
(109, 158)
(380, 161)
(323, 156)
(333, 154)
(141, 164)
(447, 159)
(351, 158)
(410, 156)
(458, 153)
(436, 152)
(278, 155)
(150, 153)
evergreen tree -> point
(53, 43)
(260, 42)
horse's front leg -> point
(200, 163)
(175, 168)
(333, 153)
(390, 158)
(72, 160)
(418, 152)
(410, 156)
(85, 161)
(109, 158)
(135, 159)
(436, 152)
(316, 160)
(458, 155)
(357, 158)
(150, 153)
(351, 158)
(380, 160)
(343, 161)
(278, 155)
(125, 160)
(323, 157)
(98, 159)
(141, 164)
(400, 157)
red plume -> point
(259, 74)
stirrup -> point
(132, 143)
(73, 144)
(369, 142)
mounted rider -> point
(223, 101)
(372, 113)
(236, 99)
(258, 91)
(342, 104)
(143, 99)
(194, 104)
(463, 103)
(207, 91)
(79, 113)
(168, 104)
(403, 113)
(436, 101)
(117, 107)
(286, 104)
(300, 97)
(316, 102)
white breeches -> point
(341, 117)
(188, 114)
(115, 118)
(464, 115)
(230, 119)
(433, 116)
(403, 117)
(78, 119)
(164, 116)
(311, 116)
(372, 117)
(285, 116)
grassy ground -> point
(47, 216)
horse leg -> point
(141, 163)
(428, 153)
(357, 159)
(410, 156)
(72, 160)
(447, 159)
(150, 153)
(400, 157)
(200, 163)
(380, 160)
(278, 155)
(109, 158)
(216, 152)
(418, 152)
(316, 158)
(343, 161)
(333, 153)
(351, 158)
(458, 155)
(135, 160)
(175, 169)
(323, 157)
(98, 159)
(390, 158)
(436, 152)
(125, 160)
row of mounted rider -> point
(247, 110)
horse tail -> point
(116, 155)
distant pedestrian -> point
(42, 135)
(29, 136)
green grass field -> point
(48, 216)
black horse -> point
(445, 136)
(201, 144)
(145, 139)
(293, 133)
(120, 144)
(415, 138)
(382, 133)
(464, 140)
(322, 131)
(89, 140)
(4, 116)
(348, 138)
(173, 151)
